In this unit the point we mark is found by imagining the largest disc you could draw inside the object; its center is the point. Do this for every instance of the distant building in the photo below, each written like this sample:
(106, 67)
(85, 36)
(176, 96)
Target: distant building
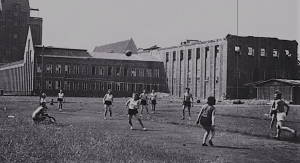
(118, 47)
(81, 73)
(14, 23)
(223, 66)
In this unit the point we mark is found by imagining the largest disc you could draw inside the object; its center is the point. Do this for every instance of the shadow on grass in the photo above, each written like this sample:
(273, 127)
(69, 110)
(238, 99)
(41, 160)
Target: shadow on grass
(229, 147)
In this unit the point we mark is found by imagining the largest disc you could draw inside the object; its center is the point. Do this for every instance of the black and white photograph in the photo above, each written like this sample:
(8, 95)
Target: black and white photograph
(132, 81)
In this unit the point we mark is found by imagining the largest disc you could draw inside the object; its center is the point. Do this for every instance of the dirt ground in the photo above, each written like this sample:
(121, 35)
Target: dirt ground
(242, 135)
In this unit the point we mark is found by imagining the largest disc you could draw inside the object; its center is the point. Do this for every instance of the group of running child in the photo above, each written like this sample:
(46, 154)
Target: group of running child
(206, 116)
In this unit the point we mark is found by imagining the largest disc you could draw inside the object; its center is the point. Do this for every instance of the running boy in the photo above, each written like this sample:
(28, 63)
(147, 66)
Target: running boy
(281, 115)
(273, 111)
(206, 118)
(144, 99)
(133, 106)
(107, 101)
(153, 100)
(60, 99)
(43, 98)
(39, 114)
(187, 102)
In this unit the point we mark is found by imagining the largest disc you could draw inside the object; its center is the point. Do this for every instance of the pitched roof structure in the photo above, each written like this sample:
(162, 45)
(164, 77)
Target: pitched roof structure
(122, 56)
(62, 52)
(118, 47)
(286, 81)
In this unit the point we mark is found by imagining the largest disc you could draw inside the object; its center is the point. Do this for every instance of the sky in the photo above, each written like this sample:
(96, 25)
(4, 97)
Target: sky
(85, 24)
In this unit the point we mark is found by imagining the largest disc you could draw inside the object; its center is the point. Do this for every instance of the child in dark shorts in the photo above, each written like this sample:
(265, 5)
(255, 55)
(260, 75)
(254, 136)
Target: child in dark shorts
(273, 111)
(144, 98)
(206, 118)
(133, 106)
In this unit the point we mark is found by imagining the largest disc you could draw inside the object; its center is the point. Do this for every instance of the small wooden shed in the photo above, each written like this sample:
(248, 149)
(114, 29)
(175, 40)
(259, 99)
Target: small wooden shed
(290, 89)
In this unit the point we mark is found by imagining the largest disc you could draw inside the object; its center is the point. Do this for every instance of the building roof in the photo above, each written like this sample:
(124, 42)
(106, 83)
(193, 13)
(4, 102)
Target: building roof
(62, 52)
(12, 64)
(118, 47)
(286, 81)
(122, 56)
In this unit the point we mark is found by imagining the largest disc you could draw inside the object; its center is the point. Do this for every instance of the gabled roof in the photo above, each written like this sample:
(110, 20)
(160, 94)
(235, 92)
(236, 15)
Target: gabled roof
(286, 81)
(118, 47)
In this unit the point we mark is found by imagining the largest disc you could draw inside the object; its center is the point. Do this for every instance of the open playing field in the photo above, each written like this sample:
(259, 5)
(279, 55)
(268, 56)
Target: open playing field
(82, 135)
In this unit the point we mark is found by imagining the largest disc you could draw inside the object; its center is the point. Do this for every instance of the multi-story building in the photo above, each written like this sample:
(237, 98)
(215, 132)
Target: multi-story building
(222, 67)
(81, 73)
(14, 23)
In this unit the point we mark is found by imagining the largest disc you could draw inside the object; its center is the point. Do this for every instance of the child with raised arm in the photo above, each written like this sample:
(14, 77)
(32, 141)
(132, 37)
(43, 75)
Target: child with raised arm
(281, 115)
(206, 118)
(133, 106)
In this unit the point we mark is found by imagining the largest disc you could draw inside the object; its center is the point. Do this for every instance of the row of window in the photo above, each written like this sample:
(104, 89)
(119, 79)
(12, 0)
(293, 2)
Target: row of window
(102, 70)
(181, 52)
(95, 86)
(263, 52)
(262, 74)
(237, 50)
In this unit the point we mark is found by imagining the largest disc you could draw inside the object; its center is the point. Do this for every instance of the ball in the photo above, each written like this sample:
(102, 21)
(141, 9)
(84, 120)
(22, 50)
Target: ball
(128, 53)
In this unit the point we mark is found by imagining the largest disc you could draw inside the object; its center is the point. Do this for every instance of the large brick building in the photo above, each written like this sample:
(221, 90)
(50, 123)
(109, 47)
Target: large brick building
(14, 23)
(81, 73)
(223, 66)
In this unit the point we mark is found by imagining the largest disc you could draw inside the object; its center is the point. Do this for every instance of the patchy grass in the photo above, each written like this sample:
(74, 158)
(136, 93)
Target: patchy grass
(81, 134)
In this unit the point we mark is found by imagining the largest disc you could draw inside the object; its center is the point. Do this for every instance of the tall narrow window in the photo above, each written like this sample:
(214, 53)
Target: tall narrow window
(126, 86)
(49, 68)
(84, 85)
(109, 86)
(76, 69)
(149, 72)
(250, 51)
(49, 84)
(237, 50)
(118, 86)
(101, 86)
(263, 52)
(85, 70)
(38, 84)
(275, 53)
(167, 56)
(58, 69)
(39, 68)
(101, 70)
(174, 55)
(93, 86)
(125, 71)
(67, 69)
(109, 71)
(141, 72)
(133, 72)
(67, 85)
(93, 70)
(57, 85)
(288, 54)
(189, 54)
(156, 73)
(181, 55)
(118, 71)
(76, 85)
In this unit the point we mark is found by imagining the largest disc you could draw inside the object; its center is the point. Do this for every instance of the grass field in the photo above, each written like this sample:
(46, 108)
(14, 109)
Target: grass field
(82, 135)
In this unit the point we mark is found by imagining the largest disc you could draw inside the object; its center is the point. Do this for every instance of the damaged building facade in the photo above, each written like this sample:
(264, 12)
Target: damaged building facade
(222, 67)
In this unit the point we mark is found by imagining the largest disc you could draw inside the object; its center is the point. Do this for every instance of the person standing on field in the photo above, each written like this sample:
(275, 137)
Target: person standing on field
(153, 100)
(60, 99)
(133, 106)
(107, 101)
(187, 102)
(281, 115)
(144, 99)
(43, 98)
(206, 118)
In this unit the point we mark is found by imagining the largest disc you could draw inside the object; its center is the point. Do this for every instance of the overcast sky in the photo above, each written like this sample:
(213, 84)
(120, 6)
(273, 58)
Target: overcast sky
(89, 23)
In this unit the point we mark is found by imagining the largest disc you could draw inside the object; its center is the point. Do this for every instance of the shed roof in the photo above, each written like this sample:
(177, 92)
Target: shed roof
(286, 81)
